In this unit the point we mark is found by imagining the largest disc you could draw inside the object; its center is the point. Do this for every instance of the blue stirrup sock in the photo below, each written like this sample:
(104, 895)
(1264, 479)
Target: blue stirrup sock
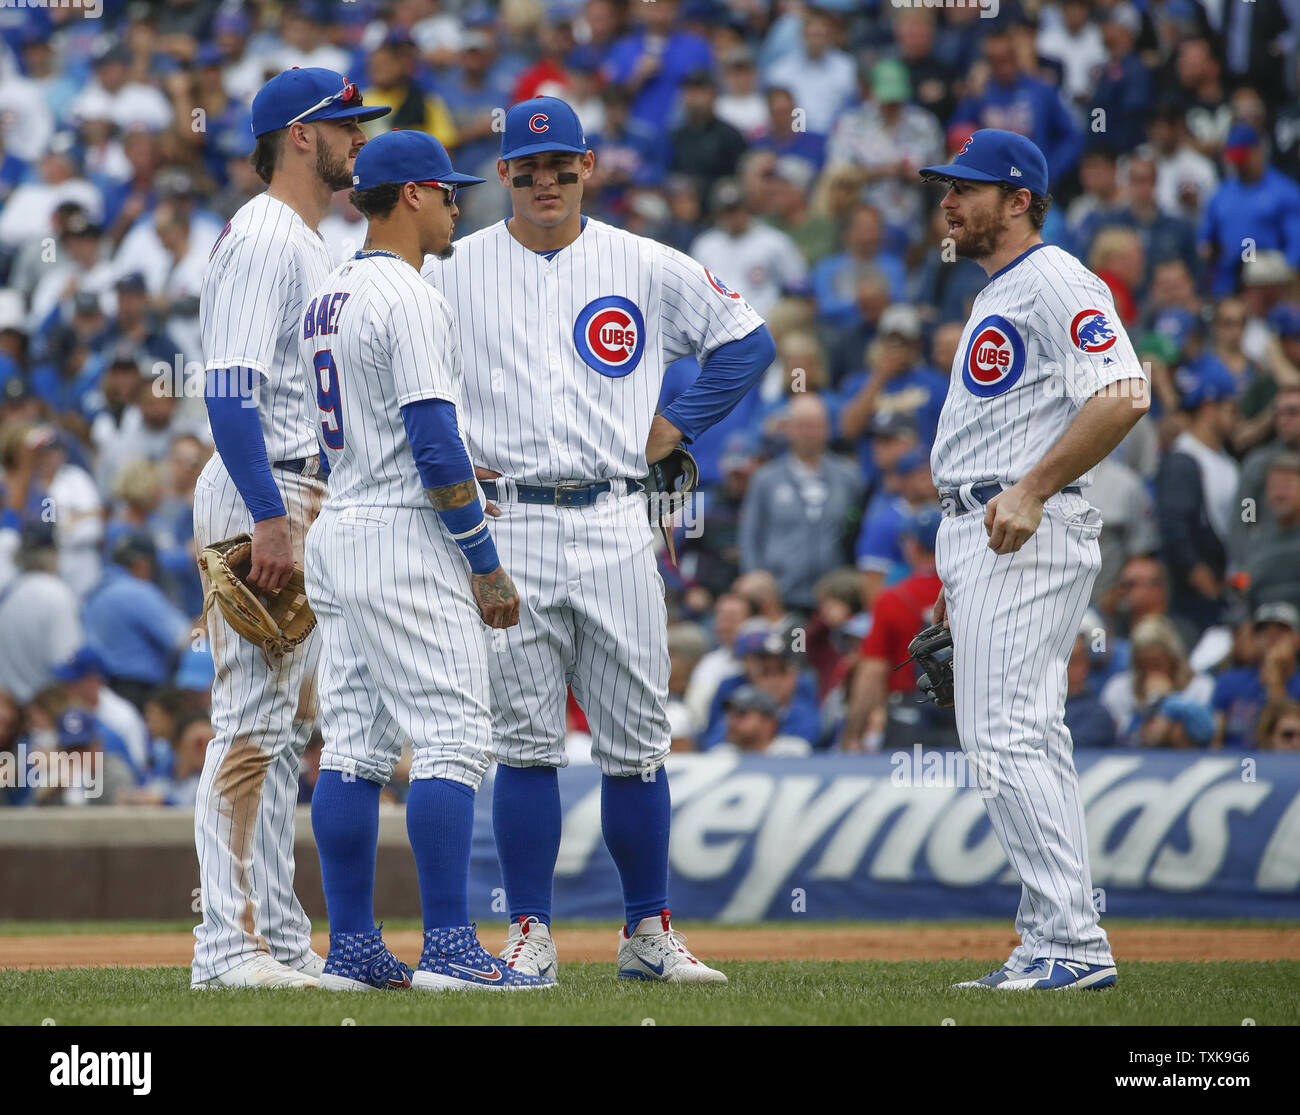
(345, 820)
(526, 819)
(440, 824)
(635, 816)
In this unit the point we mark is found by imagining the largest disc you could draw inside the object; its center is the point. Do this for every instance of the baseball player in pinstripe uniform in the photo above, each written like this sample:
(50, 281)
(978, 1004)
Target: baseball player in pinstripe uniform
(404, 650)
(566, 325)
(264, 479)
(1044, 384)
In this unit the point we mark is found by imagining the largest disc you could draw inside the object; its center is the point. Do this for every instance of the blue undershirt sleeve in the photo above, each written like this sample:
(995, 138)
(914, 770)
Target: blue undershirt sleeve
(725, 377)
(237, 434)
(441, 458)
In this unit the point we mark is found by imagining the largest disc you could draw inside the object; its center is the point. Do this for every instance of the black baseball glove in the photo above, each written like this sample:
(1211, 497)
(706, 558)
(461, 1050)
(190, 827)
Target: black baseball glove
(670, 482)
(932, 648)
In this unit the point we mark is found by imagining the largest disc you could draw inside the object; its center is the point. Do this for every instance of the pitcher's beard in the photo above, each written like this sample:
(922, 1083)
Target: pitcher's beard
(333, 172)
(981, 237)
(446, 253)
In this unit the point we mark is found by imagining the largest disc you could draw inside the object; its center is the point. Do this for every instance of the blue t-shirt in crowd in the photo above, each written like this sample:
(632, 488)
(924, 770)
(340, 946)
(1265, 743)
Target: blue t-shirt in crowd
(1240, 696)
(134, 628)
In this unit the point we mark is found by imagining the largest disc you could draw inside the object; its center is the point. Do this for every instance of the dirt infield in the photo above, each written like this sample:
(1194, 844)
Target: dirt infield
(937, 942)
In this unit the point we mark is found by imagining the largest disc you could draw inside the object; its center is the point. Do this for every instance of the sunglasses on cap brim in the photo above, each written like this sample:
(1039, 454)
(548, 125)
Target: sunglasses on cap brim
(447, 186)
(349, 95)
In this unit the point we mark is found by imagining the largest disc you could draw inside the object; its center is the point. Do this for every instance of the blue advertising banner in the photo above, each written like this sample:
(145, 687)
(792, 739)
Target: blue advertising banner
(905, 835)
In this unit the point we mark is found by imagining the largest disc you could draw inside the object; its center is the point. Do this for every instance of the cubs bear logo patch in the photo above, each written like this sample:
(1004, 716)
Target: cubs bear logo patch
(1091, 331)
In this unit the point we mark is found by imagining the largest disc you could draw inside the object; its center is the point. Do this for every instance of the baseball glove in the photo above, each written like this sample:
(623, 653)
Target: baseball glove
(278, 621)
(932, 648)
(670, 483)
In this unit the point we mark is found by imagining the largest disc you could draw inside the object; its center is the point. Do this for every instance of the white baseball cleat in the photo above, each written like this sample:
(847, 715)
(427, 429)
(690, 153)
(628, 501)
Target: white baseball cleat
(530, 949)
(656, 951)
(258, 971)
(313, 964)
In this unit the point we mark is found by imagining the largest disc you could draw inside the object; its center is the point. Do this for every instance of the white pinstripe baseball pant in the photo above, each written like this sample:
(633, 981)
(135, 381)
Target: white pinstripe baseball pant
(262, 720)
(1014, 619)
(403, 648)
(592, 615)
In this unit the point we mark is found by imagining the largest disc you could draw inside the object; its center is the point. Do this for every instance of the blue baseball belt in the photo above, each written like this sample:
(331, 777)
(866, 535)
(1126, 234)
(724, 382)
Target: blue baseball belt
(304, 466)
(566, 495)
(971, 497)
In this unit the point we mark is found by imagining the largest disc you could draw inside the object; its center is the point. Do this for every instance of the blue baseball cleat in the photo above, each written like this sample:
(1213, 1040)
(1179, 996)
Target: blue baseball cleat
(993, 979)
(453, 960)
(1054, 974)
(362, 962)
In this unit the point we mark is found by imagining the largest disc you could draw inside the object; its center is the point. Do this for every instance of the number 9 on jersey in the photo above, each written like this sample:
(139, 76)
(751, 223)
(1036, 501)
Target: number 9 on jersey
(327, 398)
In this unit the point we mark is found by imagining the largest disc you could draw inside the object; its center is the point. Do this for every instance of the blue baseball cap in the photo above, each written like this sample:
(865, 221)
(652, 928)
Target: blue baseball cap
(81, 665)
(308, 94)
(1285, 320)
(912, 460)
(75, 729)
(541, 124)
(402, 156)
(1206, 380)
(992, 155)
(924, 527)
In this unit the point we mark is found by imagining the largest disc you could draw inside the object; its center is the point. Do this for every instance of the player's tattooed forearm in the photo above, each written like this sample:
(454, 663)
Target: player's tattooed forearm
(453, 495)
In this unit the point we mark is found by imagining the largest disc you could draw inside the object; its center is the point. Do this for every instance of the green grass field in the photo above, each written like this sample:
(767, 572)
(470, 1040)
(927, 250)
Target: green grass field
(789, 993)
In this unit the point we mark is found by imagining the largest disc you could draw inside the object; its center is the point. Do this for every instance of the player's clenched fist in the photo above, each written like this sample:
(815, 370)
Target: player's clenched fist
(498, 601)
(1010, 518)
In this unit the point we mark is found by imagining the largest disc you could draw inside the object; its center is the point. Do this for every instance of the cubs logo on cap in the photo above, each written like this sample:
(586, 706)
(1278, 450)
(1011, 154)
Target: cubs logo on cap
(994, 155)
(995, 357)
(1091, 331)
(718, 285)
(541, 124)
(610, 335)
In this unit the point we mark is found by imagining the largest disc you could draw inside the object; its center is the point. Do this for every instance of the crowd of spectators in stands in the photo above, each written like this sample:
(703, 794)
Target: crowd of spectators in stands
(776, 142)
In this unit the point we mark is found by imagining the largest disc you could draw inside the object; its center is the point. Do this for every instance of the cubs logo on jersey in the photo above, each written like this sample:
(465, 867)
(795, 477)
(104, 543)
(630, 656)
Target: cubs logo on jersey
(995, 357)
(718, 285)
(610, 335)
(1091, 332)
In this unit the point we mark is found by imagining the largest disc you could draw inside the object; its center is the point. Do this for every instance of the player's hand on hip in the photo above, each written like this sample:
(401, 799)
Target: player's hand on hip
(1010, 518)
(498, 600)
(664, 438)
(272, 554)
(487, 474)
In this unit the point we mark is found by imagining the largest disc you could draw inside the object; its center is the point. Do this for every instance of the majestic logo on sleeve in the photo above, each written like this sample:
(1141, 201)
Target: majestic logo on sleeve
(718, 285)
(1091, 332)
(538, 123)
(610, 335)
(995, 357)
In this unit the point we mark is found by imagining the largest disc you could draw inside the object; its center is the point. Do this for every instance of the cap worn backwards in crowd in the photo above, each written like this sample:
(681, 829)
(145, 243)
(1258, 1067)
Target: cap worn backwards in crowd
(924, 527)
(406, 156)
(541, 124)
(1206, 380)
(308, 94)
(993, 155)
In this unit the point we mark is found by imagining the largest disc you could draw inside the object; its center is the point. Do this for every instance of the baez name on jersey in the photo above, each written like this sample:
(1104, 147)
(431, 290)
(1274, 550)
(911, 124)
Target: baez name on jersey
(321, 318)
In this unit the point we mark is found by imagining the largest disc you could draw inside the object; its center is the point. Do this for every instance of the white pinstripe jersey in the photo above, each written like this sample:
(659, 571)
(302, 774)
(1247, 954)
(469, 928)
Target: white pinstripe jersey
(564, 358)
(1042, 338)
(374, 337)
(262, 267)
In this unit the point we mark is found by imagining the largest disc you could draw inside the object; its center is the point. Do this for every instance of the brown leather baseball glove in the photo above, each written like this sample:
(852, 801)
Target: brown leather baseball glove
(278, 621)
